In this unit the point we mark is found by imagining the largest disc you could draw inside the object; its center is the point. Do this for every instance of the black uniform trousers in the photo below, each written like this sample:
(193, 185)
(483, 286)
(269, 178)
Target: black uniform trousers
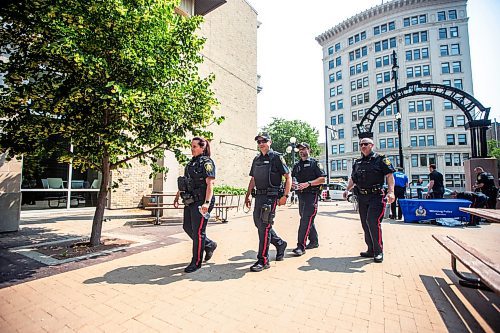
(194, 225)
(399, 193)
(267, 235)
(371, 209)
(308, 208)
(492, 197)
(436, 195)
(476, 203)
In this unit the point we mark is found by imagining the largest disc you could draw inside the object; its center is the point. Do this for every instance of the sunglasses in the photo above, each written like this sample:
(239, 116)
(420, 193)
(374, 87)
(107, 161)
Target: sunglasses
(261, 141)
(364, 144)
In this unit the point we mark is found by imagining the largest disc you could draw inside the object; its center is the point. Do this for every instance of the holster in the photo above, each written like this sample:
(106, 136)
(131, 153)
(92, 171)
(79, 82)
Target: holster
(267, 214)
(185, 184)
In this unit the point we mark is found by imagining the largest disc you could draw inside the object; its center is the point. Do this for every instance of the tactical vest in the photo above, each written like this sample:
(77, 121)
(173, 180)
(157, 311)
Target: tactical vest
(367, 173)
(264, 175)
(194, 171)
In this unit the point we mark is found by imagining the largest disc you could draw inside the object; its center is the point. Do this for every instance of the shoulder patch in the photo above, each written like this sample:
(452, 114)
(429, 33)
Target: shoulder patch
(282, 159)
(320, 166)
(386, 161)
(209, 167)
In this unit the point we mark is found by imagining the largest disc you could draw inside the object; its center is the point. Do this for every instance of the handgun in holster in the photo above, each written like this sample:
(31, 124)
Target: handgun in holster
(185, 186)
(267, 214)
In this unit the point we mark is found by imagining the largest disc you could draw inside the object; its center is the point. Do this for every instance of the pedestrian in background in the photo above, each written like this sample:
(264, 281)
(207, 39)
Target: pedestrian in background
(400, 185)
(485, 183)
(436, 183)
(266, 174)
(420, 190)
(367, 182)
(310, 176)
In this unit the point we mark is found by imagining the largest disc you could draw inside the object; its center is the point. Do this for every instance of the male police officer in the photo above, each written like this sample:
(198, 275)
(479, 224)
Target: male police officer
(485, 182)
(310, 176)
(265, 183)
(367, 178)
(478, 200)
(400, 185)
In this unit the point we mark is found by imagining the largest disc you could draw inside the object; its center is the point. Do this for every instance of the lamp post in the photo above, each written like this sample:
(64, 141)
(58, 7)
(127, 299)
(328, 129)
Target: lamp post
(292, 148)
(395, 68)
(334, 130)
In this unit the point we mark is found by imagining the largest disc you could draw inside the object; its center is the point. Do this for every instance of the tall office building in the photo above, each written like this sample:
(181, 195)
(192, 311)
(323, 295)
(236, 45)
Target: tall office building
(431, 41)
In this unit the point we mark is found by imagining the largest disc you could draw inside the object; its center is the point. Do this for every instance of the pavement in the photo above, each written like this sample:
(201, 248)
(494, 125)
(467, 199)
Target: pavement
(329, 289)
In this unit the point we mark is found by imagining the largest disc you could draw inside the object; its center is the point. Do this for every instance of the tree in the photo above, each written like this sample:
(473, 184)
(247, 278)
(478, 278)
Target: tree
(118, 79)
(493, 148)
(282, 130)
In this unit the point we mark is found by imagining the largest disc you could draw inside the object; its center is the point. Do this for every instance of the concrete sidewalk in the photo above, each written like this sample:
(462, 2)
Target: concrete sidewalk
(329, 289)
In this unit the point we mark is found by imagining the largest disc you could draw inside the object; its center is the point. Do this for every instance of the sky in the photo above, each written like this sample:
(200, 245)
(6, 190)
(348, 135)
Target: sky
(289, 58)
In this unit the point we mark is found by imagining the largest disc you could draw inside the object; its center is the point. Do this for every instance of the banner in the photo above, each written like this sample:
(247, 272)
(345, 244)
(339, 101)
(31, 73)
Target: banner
(415, 210)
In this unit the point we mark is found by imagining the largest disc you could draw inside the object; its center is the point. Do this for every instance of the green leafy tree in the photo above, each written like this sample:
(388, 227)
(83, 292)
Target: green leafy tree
(282, 130)
(494, 148)
(117, 79)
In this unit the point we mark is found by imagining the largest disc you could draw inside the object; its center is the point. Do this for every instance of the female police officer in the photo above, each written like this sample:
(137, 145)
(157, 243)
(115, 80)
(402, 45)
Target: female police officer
(196, 190)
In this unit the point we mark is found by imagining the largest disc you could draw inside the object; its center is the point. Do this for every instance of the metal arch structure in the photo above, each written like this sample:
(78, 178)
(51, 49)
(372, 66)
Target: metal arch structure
(476, 114)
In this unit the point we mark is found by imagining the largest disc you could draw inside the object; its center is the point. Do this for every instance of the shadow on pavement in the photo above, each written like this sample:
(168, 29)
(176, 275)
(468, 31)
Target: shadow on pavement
(341, 264)
(162, 275)
(454, 313)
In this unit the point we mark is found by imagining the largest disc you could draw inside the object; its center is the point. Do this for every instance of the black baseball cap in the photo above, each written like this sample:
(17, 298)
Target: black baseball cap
(303, 145)
(263, 135)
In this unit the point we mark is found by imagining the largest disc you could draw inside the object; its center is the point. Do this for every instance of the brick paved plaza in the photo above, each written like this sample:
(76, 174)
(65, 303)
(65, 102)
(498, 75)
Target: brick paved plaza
(329, 289)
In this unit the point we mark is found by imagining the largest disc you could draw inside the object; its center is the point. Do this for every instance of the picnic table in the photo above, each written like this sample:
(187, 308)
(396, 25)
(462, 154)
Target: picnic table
(492, 215)
(157, 205)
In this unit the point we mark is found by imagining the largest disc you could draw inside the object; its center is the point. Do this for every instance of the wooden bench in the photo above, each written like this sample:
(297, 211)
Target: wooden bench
(491, 215)
(487, 272)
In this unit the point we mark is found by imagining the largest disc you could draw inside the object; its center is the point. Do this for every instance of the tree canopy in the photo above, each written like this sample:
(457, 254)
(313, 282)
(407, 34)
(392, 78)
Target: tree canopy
(117, 79)
(493, 148)
(282, 130)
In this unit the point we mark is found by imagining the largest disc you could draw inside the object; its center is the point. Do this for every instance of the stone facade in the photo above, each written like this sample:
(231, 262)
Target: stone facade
(230, 53)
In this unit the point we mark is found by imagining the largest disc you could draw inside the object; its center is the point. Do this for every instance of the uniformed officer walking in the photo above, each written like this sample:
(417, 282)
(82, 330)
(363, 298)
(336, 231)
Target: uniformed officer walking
(310, 176)
(485, 182)
(196, 190)
(400, 185)
(266, 186)
(367, 181)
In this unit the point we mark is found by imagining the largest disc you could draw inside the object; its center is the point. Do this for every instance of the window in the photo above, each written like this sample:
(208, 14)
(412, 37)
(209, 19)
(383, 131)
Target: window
(448, 121)
(338, 61)
(331, 64)
(447, 159)
(429, 122)
(457, 83)
(443, 50)
(420, 106)
(378, 62)
(445, 67)
(443, 33)
(441, 16)
(390, 143)
(376, 31)
(333, 106)
(354, 131)
(452, 14)
(457, 66)
(418, 71)
(355, 146)
(337, 47)
(406, 22)
(423, 160)
(430, 140)
(425, 53)
(339, 75)
(339, 90)
(411, 106)
(333, 120)
(341, 121)
(421, 123)
(414, 160)
(455, 49)
(332, 92)
(426, 71)
(382, 143)
(428, 105)
(409, 72)
(340, 104)
(422, 19)
(450, 139)
(416, 54)
(334, 150)
(454, 32)
(341, 148)
(460, 120)
(413, 124)
(364, 64)
(354, 116)
(462, 139)
(447, 83)
(448, 105)
(331, 78)
(381, 127)
(330, 50)
(413, 141)
(421, 141)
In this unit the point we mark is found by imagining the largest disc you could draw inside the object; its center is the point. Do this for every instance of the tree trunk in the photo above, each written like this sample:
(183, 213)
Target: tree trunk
(95, 236)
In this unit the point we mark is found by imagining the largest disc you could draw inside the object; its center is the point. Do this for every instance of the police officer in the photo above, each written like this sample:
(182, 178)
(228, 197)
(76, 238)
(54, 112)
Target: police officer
(478, 200)
(196, 190)
(367, 179)
(485, 182)
(265, 184)
(400, 185)
(436, 183)
(310, 176)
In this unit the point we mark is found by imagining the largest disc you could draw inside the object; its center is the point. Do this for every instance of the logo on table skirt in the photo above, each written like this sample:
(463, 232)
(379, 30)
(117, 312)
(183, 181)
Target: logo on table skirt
(420, 211)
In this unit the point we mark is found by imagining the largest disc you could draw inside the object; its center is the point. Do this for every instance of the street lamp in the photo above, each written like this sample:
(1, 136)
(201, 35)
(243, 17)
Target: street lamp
(334, 130)
(292, 148)
(397, 114)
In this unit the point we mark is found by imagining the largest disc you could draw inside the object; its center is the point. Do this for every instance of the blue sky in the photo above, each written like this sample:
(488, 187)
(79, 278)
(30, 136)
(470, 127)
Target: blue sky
(289, 59)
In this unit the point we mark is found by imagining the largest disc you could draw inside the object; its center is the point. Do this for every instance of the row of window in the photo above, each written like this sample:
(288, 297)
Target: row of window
(456, 66)
(358, 68)
(414, 20)
(383, 77)
(335, 63)
(334, 91)
(357, 38)
(358, 53)
(337, 105)
(422, 160)
(388, 143)
(418, 71)
(454, 180)
(417, 54)
(416, 37)
(383, 28)
(382, 92)
(335, 76)
(360, 99)
(337, 165)
(455, 159)
(446, 50)
(452, 121)
(421, 123)
(340, 149)
(422, 141)
(452, 15)
(358, 115)
(457, 83)
(359, 83)
(387, 126)
(420, 105)
(443, 32)
(333, 49)
(383, 61)
(385, 44)
(461, 139)
(337, 120)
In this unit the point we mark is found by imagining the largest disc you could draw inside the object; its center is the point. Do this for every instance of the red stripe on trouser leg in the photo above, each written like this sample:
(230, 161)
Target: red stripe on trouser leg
(264, 248)
(310, 220)
(198, 258)
(379, 220)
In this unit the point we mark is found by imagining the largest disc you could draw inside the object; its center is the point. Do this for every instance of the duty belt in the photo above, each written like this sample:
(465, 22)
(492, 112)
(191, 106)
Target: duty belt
(372, 190)
(269, 192)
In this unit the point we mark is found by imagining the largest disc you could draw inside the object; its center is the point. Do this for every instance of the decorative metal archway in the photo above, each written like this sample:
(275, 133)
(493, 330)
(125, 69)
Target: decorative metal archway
(476, 114)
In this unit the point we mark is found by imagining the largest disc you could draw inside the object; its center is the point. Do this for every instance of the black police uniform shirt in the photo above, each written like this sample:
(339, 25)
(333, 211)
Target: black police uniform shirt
(487, 179)
(437, 177)
(199, 168)
(308, 170)
(260, 170)
(370, 171)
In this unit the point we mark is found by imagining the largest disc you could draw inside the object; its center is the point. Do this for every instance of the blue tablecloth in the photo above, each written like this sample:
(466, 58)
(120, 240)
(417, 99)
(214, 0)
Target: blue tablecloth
(415, 210)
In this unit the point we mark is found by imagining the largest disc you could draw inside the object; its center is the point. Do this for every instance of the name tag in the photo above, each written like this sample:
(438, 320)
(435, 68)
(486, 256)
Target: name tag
(266, 162)
(306, 165)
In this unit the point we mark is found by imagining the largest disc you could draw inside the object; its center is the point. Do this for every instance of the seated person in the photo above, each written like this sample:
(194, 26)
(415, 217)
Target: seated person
(478, 200)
